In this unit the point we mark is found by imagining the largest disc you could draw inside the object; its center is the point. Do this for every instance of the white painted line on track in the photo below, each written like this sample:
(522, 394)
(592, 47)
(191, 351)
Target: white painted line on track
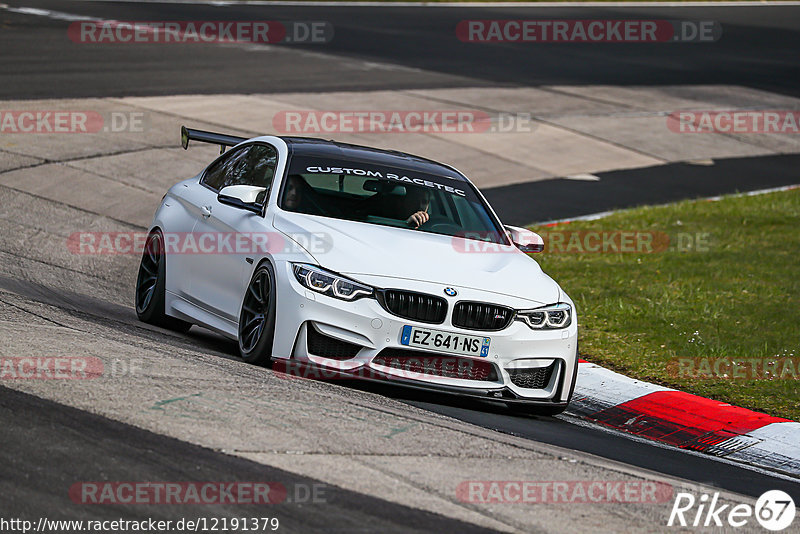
(583, 177)
(356, 64)
(55, 15)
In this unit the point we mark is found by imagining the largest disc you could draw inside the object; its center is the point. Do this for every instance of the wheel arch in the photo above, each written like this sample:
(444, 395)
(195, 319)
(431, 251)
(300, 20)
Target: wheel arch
(268, 258)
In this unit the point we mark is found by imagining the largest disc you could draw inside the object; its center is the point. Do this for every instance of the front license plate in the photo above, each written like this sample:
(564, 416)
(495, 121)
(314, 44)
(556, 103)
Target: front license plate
(439, 341)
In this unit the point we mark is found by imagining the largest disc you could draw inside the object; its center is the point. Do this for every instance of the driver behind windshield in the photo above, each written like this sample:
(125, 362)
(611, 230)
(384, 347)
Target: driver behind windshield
(298, 196)
(400, 202)
(417, 201)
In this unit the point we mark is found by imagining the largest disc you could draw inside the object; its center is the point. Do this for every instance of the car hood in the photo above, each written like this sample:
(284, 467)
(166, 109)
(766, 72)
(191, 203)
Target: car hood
(355, 248)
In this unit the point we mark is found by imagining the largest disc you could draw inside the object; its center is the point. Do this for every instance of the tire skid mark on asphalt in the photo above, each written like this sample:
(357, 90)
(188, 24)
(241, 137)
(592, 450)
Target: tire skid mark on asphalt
(111, 178)
(34, 161)
(48, 161)
(78, 208)
(53, 265)
(61, 325)
(87, 322)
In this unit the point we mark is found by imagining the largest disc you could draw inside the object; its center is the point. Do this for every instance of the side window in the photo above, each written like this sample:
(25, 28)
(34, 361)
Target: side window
(217, 175)
(249, 165)
(261, 163)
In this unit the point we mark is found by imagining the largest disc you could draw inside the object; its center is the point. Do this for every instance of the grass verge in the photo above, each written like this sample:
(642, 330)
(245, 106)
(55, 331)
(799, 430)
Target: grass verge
(715, 313)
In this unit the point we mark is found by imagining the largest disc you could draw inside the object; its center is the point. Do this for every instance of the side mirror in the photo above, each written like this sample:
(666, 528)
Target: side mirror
(525, 240)
(242, 196)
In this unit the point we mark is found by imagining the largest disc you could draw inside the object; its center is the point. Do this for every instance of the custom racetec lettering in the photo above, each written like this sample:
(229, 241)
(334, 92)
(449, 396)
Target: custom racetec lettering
(424, 182)
(344, 170)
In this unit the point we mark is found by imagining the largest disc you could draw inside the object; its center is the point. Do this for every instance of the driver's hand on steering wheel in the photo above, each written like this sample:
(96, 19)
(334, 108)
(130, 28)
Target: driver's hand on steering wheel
(418, 219)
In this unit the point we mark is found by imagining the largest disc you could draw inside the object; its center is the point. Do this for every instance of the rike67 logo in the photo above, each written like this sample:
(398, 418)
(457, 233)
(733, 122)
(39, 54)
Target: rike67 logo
(774, 510)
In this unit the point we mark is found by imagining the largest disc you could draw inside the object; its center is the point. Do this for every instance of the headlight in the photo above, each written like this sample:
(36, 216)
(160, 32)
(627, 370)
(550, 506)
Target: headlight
(547, 317)
(328, 283)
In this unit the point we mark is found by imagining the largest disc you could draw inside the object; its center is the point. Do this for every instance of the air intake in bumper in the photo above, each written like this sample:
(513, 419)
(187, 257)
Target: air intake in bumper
(449, 366)
(327, 347)
(532, 378)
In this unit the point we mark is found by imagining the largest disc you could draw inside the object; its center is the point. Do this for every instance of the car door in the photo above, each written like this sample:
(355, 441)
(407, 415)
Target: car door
(220, 276)
(185, 207)
(179, 215)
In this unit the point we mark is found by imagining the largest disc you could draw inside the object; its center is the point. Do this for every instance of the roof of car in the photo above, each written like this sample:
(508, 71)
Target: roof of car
(312, 146)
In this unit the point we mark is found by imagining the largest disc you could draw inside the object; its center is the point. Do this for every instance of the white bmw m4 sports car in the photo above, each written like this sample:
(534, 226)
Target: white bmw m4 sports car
(368, 263)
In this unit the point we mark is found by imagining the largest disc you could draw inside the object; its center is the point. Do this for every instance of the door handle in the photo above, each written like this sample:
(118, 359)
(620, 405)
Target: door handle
(206, 211)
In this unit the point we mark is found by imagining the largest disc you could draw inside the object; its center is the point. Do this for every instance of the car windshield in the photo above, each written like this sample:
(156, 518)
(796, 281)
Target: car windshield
(375, 194)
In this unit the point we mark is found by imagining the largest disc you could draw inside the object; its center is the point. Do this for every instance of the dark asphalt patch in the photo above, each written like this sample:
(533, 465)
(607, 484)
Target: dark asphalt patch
(46, 447)
(523, 204)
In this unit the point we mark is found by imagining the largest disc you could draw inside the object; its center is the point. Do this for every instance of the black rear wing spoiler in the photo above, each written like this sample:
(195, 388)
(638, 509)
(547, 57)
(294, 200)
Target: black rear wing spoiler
(188, 134)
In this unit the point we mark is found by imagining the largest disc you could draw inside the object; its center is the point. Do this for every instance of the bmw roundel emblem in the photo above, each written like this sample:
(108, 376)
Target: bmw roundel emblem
(450, 292)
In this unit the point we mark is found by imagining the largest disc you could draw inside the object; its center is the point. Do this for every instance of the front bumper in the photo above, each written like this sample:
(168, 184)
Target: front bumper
(373, 330)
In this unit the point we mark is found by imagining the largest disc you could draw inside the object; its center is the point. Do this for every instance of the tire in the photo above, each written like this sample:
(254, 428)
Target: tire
(257, 317)
(150, 285)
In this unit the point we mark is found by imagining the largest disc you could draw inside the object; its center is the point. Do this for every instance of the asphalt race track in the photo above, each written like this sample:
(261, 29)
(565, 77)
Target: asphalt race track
(758, 50)
(556, 199)
(384, 455)
(121, 450)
